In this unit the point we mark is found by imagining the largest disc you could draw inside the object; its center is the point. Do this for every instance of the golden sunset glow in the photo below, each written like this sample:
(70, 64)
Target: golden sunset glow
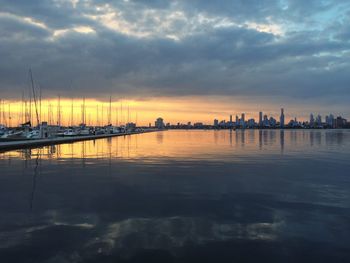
(173, 110)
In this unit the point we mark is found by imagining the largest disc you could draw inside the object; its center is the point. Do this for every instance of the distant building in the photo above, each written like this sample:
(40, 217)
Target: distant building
(312, 120)
(318, 120)
(340, 122)
(216, 122)
(260, 118)
(293, 123)
(159, 123)
(266, 121)
(330, 121)
(251, 123)
(272, 122)
(282, 118)
(241, 121)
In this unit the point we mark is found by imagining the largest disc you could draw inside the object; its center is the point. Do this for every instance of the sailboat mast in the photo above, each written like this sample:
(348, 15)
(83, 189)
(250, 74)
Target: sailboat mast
(25, 111)
(102, 115)
(9, 114)
(128, 113)
(21, 119)
(116, 115)
(71, 113)
(48, 113)
(110, 111)
(30, 107)
(97, 116)
(121, 112)
(5, 118)
(40, 98)
(84, 115)
(34, 97)
(59, 111)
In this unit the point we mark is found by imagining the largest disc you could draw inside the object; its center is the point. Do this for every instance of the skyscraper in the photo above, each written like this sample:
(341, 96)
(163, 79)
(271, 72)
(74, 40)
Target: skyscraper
(242, 123)
(319, 120)
(266, 121)
(331, 121)
(339, 122)
(312, 120)
(260, 118)
(282, 118)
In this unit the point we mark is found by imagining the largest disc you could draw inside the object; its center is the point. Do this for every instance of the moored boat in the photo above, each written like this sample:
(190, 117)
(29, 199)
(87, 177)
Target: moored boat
(70, 132)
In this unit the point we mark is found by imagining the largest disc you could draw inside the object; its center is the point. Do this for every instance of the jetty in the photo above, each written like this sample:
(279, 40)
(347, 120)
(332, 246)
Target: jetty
(35, 143)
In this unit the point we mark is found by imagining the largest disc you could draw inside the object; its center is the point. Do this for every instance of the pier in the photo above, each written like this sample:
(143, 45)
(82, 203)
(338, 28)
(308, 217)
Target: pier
(34, 143)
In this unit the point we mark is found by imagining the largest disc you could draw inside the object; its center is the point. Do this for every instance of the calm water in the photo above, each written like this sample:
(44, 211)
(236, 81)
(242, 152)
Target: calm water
(180, 196)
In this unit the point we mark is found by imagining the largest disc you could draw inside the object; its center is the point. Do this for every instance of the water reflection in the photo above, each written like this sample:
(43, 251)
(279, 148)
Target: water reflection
(160, 137)
(244, 142)
(35, 175)
(282, 140)
(175, 196)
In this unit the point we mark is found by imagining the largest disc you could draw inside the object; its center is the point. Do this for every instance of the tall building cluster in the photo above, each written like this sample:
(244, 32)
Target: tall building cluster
(266, 121)
(329, 122)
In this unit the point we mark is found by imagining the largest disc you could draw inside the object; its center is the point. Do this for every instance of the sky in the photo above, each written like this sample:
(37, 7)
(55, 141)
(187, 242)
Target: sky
(182, 60)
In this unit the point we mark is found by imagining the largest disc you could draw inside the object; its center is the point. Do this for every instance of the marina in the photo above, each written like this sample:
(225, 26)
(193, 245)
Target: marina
(23, 144)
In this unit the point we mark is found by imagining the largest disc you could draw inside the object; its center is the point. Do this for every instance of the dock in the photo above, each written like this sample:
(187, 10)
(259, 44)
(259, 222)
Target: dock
(35, 143)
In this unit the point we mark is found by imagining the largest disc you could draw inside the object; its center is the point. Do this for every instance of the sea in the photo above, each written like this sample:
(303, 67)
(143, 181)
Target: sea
(180, 196)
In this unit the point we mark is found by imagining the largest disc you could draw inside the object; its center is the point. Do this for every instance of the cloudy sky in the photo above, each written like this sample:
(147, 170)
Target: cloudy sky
(274, 52)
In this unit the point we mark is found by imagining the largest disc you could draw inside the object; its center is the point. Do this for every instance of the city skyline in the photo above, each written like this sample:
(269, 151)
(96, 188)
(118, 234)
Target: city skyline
(68, 112)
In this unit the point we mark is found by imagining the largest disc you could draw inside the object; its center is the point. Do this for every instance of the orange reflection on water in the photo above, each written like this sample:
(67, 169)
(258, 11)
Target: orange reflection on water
(181, 144)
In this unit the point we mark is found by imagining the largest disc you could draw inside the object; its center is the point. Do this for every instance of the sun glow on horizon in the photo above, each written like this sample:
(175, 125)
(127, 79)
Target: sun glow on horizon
(69, 112)
(72, 112)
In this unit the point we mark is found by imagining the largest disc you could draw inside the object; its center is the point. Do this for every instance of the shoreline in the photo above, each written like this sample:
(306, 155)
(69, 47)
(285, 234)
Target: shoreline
(37, 143)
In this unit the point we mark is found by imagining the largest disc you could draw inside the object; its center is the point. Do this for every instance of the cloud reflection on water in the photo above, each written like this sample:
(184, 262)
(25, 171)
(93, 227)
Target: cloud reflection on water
(177, 191)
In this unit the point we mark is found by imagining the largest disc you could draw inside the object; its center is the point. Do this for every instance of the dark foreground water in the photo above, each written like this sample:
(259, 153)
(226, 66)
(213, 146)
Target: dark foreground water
(180, 196)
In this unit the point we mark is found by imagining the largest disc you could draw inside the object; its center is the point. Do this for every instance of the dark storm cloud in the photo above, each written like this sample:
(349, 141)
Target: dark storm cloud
(297, 49)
